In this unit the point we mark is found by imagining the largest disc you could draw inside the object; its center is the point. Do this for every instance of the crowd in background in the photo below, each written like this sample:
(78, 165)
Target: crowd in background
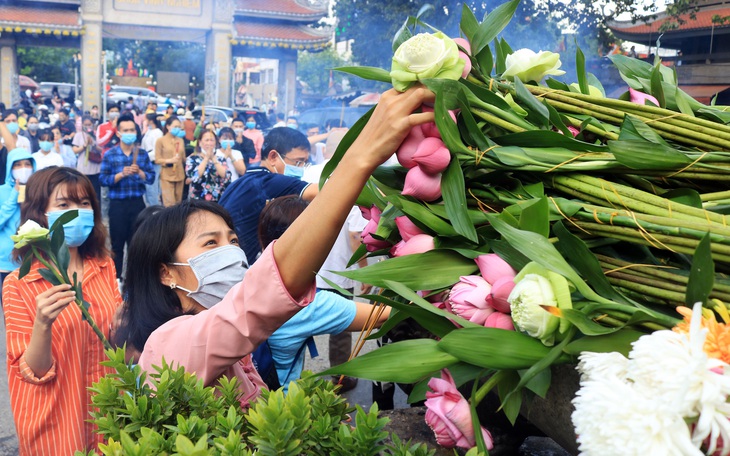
(193, 212)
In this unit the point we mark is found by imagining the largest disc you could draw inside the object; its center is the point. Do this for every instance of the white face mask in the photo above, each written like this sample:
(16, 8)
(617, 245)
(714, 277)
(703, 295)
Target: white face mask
(22, 175)
(217, 271)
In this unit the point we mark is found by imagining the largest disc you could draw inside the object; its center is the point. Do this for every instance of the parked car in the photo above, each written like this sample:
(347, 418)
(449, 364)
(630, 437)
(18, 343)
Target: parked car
(119, 94)
(220, 114)
(334, 117)
(44, 94)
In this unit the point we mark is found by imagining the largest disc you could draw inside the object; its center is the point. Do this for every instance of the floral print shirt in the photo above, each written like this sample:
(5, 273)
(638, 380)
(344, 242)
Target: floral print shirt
(210, 185)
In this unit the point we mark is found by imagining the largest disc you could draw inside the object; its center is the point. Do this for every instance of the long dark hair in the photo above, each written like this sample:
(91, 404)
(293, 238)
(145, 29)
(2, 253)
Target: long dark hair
(276, 217)
(150, 304)
(40, 187)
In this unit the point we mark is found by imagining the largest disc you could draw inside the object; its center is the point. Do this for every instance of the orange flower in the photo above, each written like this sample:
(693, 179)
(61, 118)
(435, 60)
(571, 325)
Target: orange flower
(717, 343)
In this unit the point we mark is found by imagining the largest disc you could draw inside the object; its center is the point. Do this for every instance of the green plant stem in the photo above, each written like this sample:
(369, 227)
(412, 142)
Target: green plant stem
(701, 225)
(78, 300)
(497, 121)
(672, 296)
(487, 387)
(627, 221)
(577, 123)
(715, 196)
(505, 115)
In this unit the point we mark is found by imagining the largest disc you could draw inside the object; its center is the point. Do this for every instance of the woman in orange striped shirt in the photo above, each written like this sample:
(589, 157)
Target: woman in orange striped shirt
(53, 355)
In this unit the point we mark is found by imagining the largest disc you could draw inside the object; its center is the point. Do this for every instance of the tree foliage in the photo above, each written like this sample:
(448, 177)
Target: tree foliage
(313, 68)
(157, 56)
(46, 63)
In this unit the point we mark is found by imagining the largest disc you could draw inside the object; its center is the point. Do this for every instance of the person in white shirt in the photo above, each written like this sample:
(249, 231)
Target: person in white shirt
(10, 118)
(153, 133)
(46, 156)
(234, 158)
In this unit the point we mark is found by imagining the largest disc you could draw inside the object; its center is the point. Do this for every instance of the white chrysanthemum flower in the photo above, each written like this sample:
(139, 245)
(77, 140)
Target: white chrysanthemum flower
(612, 418)
(595, 366)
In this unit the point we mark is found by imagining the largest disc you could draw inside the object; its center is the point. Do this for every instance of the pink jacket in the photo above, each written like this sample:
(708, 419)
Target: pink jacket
(218, 341)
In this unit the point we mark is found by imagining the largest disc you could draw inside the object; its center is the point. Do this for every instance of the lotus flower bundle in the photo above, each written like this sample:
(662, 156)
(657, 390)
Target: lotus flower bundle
(537, 220)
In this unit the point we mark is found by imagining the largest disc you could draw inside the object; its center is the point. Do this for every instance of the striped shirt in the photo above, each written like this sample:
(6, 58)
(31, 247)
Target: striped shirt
(51, 412)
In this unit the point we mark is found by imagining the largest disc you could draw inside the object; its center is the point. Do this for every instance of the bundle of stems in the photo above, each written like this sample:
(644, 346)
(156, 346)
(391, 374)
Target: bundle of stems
(671, 125)
(659, 282)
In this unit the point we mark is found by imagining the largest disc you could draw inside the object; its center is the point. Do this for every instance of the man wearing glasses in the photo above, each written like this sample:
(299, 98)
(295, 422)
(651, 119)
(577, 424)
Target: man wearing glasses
(284, 156)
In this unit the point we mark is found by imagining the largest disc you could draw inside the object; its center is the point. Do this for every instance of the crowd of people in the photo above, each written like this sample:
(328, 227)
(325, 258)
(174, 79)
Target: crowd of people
(216, 233)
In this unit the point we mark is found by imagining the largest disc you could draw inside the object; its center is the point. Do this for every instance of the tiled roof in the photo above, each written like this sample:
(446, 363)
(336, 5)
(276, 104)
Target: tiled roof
(252, 32)
(35, 16)
(293, 9)
(703, 20)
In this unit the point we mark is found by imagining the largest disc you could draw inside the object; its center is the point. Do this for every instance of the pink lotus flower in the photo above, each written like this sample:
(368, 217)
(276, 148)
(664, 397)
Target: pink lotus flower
(366, 212)
(409, 146)
(449, 416)
(464, 44)
(574, 131)
(468, 299)
(432, 156)
(406, 228)
(372, 244)
(419, 243)
(641, 98)
(422, 186)
(467, 64)
(499, 320)
(492, 267)
(501, 288)
(429, 129)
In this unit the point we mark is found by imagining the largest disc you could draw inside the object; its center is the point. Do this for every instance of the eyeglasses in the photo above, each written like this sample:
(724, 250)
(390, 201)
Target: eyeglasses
(297, 163)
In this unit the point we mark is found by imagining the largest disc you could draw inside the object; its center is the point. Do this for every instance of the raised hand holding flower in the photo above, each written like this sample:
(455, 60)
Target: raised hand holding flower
(54, 255)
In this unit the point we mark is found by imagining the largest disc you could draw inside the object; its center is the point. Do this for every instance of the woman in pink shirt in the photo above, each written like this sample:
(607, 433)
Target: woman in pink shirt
(181, 304)
(256, 136)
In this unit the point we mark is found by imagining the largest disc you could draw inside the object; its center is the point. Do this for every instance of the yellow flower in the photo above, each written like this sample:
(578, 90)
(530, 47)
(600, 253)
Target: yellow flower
(29, 233)
(717, 343)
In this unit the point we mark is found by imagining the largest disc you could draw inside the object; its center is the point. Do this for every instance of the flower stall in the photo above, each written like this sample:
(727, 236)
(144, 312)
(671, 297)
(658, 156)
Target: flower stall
(537, 223)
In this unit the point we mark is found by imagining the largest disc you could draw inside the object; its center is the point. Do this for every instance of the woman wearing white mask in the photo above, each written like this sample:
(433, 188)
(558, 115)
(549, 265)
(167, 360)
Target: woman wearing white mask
(183, 259)
(48, 154)
(20, 165)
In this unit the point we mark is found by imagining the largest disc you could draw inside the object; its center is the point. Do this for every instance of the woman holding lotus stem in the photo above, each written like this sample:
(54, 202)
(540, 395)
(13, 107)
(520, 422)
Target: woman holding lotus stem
(53, 356)
(206, 256)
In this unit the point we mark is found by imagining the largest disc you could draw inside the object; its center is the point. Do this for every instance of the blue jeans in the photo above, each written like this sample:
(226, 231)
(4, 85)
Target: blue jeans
(152, 194)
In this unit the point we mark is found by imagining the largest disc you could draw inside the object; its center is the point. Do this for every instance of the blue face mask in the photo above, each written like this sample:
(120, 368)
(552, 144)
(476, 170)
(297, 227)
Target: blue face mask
(129, 138)
(227, 143)
(162, 123)
(77, 230)
(45, 145)
(217, 131)
(174, 131)
(12, 127)
(294, 126)
(251, 125)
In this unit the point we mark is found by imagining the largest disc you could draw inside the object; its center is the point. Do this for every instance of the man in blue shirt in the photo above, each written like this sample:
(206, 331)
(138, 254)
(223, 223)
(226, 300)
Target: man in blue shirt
(284, 155)
(126, 170)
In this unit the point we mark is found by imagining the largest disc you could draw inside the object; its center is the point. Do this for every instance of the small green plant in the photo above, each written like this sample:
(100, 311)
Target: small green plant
(171, 412)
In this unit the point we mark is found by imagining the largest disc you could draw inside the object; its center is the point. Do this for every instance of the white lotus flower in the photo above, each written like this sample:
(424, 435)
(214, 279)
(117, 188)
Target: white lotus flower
(526, 65)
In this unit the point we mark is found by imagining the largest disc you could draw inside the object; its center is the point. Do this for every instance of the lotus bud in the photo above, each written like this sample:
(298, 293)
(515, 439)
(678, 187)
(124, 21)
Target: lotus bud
(409, 146)
(501, 289)
(574, 131)
(372, 244)
(527, 300)
(406, 228)
(432, 156)
(467, 64)
(492, 267)
(419, 243)
(500, 321)
(365, 211)
(641, 98)
(430, 129)
(468, 299)
(422, 186)
(464, 44)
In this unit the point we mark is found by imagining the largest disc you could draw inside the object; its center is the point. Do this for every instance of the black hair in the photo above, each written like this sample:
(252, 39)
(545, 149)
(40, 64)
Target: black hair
(64, 111)
(146, 213)
(9, 112)
(149, 303)
(277, 216)
(283, 140)
(238, 119)
(280, 116)
(152, 119)
(46, 132)
(112, 106)
(227, 130)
